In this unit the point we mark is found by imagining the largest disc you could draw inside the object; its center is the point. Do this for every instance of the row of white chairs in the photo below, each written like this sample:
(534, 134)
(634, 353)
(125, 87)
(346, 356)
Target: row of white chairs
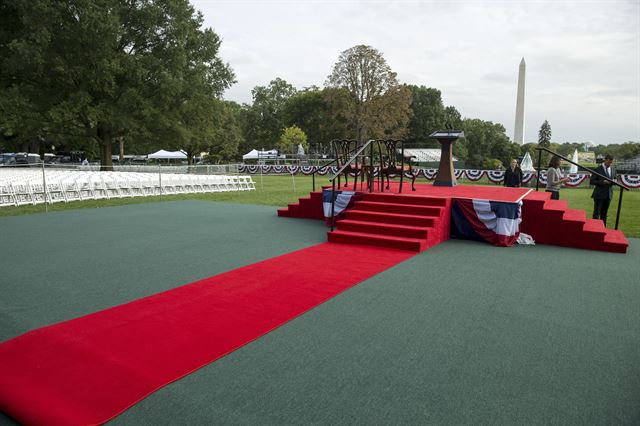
(27, 186)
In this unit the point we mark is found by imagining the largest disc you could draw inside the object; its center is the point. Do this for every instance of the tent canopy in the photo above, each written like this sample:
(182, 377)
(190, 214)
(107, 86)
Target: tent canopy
(526, 165)
(168, 155)
(254, 154)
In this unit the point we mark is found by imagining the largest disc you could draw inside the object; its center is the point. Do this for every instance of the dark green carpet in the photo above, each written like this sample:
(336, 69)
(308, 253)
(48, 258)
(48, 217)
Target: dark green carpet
(463, 333)
(62, 265)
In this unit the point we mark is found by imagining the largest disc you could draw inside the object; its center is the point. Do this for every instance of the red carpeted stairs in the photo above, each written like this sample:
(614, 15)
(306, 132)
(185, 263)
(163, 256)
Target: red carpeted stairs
(307, 207)
(400, 221)
(552, 222)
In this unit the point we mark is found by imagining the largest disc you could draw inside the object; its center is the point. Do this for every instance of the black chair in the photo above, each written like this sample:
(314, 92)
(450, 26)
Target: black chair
(344, 149)
(394, 163)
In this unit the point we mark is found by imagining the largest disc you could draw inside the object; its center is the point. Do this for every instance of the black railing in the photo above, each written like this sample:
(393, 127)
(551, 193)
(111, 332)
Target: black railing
(348, 163)
(593, 172)
(313, 174)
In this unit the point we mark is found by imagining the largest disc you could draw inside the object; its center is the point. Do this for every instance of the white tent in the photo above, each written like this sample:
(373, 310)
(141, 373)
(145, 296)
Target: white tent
(254, 154)
(526, 165)
(574, 168)
(168, 155)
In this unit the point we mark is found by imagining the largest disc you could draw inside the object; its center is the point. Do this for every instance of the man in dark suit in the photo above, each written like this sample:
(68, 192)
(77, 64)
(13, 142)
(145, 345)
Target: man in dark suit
(602, 189)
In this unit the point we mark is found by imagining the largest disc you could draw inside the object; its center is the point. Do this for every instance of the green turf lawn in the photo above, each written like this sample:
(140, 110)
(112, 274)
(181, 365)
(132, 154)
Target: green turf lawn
(279, 191)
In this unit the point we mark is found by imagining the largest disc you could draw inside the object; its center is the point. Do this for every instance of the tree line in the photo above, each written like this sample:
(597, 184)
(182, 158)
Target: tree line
(89, 74)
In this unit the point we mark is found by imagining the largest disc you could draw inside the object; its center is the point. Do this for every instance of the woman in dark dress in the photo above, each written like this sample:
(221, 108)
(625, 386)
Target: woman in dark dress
(513, 175)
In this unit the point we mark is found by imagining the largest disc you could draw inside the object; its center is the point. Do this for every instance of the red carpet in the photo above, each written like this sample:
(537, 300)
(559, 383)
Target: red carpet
(478, 192)
(90, 369)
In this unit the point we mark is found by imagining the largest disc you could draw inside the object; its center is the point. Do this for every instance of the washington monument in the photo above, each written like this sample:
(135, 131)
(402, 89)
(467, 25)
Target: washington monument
(518, 135)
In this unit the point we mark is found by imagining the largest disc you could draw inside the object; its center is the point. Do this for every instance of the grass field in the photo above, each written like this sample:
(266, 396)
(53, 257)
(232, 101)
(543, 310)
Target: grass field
(279, 191)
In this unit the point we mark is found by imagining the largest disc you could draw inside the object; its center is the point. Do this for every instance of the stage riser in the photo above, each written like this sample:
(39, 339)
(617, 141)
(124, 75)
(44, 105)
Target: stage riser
(378, 228)
(376, 240)
(547, 221)
(552, 222)
(381, 217)
(398, 208)
(409, 200)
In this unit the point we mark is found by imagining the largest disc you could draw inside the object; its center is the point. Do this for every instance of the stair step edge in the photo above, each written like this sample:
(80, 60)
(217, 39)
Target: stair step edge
(379, 236)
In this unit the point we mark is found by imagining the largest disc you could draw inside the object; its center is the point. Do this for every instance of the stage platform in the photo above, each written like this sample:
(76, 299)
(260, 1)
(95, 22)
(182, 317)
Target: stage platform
(477, 192)
(417, 220)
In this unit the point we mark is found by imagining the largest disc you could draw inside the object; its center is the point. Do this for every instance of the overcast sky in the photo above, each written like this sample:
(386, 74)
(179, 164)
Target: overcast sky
(583, 57)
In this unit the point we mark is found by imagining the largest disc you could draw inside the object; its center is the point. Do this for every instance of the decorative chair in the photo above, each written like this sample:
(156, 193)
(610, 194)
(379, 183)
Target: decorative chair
(394, 163)
(345, 149)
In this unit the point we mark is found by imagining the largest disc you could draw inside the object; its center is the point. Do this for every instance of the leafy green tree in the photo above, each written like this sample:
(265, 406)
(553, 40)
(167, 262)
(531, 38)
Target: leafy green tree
(622, 151)
(264, 119)
(544, 134)
(485, 141)
(453, 119)
(309, 110)
(369, 97)
(101, 70)
(428, 115)
(228, 136)
(291, 138)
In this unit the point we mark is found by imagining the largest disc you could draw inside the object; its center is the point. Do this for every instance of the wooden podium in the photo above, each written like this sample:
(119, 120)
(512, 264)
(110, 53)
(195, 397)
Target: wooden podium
(446, 173)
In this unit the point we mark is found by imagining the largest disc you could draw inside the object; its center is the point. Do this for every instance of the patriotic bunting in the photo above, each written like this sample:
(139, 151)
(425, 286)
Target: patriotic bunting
(576, 179)
(630, 181)
(494, 176)
(474, 175)
(430, 174)
(527, 176)
(343, 199)
(495, 222)
(307, 170)
(543, 178)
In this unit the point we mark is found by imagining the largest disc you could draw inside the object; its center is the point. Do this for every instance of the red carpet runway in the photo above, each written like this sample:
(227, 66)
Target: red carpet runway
(90, 369)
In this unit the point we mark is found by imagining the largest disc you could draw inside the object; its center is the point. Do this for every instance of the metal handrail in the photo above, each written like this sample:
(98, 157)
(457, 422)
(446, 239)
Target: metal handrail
(342, 169)
(339, 172)
(593, 172)
(313, 175)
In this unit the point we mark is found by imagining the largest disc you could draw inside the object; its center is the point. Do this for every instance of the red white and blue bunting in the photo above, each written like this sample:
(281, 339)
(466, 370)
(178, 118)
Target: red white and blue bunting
(494, 176)
(630, 181)
(527, 176)
(576, 179)
(429, 174)
(474, 175)
(543, 178)
(496, 222)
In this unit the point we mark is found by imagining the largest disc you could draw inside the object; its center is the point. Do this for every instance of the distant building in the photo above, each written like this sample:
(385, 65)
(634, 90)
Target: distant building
(586, 157)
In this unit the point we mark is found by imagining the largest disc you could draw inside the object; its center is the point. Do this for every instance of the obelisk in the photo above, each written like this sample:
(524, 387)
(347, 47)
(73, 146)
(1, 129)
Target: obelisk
(518, 134)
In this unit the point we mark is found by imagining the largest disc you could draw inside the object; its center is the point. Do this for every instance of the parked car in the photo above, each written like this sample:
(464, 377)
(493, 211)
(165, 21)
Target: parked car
(7, 159)
(27, 159)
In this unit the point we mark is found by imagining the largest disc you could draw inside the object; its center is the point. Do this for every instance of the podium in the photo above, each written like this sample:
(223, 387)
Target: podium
(446, 175)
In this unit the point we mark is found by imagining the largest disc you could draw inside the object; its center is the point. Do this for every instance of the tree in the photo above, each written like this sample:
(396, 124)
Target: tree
(291, 138)
(485, 142)
(107, 69)
(264, 119)
(309, 110)
(544, 135)
(428, 115)
(369, 97)
(227, 137)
